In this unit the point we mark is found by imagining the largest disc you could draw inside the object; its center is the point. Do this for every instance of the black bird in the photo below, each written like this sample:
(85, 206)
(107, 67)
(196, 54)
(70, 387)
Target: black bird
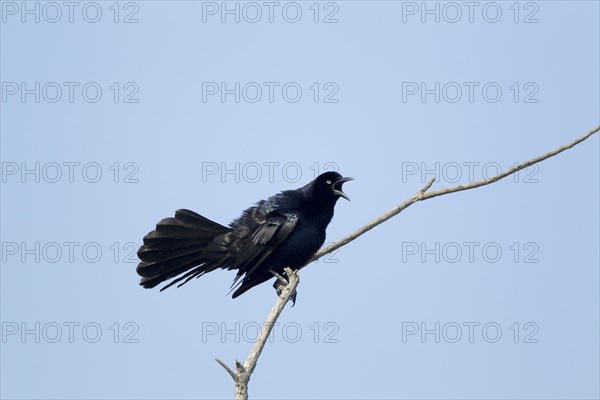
(285, 230)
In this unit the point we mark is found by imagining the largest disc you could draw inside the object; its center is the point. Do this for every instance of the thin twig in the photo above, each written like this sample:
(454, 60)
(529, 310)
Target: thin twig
(424, 195)
(226, 368)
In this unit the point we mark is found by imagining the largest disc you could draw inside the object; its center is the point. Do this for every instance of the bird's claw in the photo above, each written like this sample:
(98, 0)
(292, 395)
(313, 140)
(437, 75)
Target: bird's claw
(280, 284)
(280, 279)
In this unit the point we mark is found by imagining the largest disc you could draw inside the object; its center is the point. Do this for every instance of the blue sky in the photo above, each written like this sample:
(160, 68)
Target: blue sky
(114, 115)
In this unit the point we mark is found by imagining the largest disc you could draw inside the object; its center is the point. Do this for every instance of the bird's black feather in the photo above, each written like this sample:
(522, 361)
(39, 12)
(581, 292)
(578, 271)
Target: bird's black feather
(283, 231)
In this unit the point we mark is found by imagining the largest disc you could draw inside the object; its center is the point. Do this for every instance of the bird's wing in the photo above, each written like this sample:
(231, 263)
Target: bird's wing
(275, 228)
(271, 227)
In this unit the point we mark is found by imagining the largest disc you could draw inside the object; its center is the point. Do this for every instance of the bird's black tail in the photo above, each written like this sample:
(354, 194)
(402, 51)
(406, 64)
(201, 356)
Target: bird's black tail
(178, 245)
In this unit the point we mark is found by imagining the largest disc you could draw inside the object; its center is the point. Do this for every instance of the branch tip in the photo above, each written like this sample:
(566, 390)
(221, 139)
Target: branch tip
(427, 186)
(227, 369)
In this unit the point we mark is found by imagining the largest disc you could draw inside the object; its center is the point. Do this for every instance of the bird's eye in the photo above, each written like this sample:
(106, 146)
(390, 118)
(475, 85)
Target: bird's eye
(329, 182)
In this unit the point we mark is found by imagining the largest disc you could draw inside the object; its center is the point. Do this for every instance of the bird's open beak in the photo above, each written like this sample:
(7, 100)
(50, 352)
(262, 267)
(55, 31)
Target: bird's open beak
(339, 191)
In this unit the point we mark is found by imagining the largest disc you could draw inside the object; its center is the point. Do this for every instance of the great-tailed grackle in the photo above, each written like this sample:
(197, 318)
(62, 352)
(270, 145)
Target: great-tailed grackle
(283, 231)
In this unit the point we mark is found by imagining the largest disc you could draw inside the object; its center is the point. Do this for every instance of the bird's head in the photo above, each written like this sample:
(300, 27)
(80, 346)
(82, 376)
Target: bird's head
(329, 186)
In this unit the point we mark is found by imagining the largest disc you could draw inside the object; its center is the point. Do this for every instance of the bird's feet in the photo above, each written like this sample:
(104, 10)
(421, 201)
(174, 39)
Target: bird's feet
(280, 279)
(281, 283)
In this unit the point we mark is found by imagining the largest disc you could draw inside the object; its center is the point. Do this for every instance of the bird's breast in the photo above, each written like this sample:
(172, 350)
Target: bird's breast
(300, 246)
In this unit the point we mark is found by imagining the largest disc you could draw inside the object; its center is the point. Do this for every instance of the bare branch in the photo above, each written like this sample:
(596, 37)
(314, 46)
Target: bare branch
(244, 371)
(226, 368)
(288, 291)
(512, 170)
(424, 195)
